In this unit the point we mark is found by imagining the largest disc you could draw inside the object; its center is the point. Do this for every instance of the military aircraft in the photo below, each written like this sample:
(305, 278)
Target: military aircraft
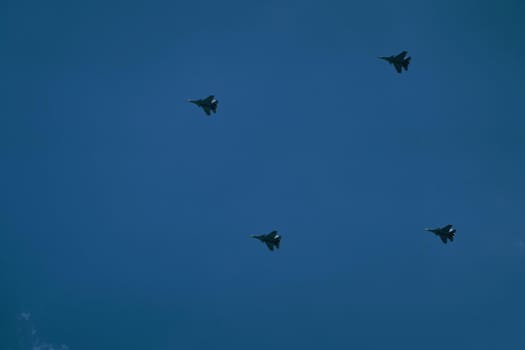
(398, 61)
(443, 232)
(209, 104)
(272, 239)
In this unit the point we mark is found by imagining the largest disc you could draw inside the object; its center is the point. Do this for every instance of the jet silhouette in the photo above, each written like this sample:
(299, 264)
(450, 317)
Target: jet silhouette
(398, 61)
(443, 232)
(272, 239)
(208, 104)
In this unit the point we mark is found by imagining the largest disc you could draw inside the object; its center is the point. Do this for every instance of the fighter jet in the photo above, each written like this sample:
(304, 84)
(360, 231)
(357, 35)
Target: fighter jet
(398, 61)
(443, 233)
(272, 239)
(209, 104)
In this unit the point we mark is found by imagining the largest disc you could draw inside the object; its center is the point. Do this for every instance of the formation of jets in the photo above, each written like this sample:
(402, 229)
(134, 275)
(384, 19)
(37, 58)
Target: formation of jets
(210, 103)
(273, 239)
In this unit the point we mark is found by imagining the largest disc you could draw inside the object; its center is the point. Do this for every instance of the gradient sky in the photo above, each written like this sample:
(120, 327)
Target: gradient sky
(125, 211)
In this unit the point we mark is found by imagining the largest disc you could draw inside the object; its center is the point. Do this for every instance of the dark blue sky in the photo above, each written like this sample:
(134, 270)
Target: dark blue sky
(125, 211)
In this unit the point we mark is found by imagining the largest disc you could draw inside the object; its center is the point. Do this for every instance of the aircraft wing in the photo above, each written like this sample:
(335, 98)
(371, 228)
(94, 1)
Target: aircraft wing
(447, 228)
(209, 99)
(269, 245)
(206, 109)
(444, 239)
(402, 55)
(398, 67)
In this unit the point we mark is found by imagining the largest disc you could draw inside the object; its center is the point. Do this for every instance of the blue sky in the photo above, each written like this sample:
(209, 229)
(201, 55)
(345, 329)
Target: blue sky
(126, 211)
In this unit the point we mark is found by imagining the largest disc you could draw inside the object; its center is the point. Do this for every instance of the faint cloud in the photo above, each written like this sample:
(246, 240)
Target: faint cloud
(24, 316)
(45, 346)
(27, 336)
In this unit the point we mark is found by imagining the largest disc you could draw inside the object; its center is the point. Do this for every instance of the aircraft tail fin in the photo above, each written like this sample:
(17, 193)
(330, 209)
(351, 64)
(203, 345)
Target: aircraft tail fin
(406, 62)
